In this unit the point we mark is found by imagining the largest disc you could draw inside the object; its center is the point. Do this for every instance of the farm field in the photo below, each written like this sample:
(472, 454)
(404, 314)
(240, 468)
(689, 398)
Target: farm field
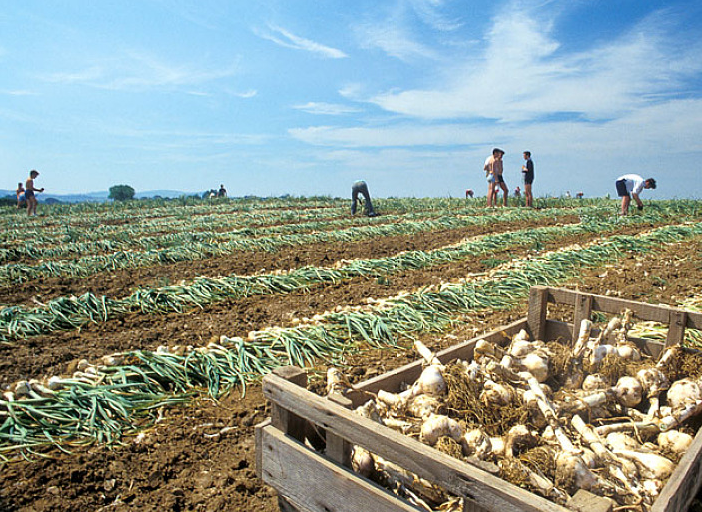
(250, 285)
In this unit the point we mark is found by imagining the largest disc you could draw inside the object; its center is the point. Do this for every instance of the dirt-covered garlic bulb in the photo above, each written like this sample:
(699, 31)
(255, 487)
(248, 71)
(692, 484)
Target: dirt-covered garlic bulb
(422, 406)
(628, 391)
(519, 438)
(362, 461)
(496, 394)
(682, 393)
(436, 426)
(593, 382)
(430, 382)
(650, 465)
(674, 441)
(476, 443)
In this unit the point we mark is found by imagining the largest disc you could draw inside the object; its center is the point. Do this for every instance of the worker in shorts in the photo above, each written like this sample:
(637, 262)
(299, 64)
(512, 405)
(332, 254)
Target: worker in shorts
(20, 195)
(493, 166)
(631, 185)
(30, 191)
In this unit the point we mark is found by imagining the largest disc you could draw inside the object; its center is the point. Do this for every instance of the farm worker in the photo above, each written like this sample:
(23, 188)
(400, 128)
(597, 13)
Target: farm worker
(493, 173)
(469, 193)
(29, 193)
(360, 187)
(222, 191)
(20, 195)
(631, 185)
(528, 175)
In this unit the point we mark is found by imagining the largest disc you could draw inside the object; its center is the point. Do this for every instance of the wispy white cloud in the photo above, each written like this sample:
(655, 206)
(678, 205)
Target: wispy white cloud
(636, 133)
(18, 92)
(287, 39)
(332, 109)
(430, 12)
(136, 70)
(246, 94)
(393, 39)
(522, 75)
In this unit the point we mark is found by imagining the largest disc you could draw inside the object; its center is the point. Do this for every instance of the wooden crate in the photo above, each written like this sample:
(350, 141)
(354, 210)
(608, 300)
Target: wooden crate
(320, 480)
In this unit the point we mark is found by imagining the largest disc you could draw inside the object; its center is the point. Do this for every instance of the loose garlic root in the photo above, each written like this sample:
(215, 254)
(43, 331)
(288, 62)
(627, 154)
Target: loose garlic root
(608, 426)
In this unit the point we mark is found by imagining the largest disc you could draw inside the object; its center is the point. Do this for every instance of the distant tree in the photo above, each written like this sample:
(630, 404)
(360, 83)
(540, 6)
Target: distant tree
(121, 193)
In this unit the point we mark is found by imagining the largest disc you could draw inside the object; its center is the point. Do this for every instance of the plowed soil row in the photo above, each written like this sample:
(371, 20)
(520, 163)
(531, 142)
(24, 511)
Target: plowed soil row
(121, 283)
(58, 353)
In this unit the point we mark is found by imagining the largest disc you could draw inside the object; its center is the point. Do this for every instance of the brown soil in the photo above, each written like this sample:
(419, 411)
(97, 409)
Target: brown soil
(201, 456)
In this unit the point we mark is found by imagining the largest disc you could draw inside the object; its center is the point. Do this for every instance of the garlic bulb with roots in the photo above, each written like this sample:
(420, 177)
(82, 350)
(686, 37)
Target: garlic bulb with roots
(436, 426)
(430, 382)
(683, 392)
(628, 391)
(674, 441)
(537, 365)
(362, 461)
(650, 465)
(496, 394)
(593, 382)
(518, 439)
(621, 441)
(422, 406)
(476, 443)
(572, 473)
(625, 352)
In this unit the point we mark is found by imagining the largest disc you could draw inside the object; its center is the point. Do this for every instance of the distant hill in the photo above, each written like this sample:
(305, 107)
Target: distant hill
(100, 197)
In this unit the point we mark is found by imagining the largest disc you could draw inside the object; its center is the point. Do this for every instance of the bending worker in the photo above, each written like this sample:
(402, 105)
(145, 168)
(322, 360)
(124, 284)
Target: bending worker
(360, 187)
(631, 185)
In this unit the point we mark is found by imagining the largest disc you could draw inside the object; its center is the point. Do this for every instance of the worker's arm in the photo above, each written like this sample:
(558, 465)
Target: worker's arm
(638, 201)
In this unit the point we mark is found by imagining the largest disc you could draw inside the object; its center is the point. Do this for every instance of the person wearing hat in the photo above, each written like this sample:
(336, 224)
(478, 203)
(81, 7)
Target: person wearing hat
(631, 185)
(29, 193)
(493, 172)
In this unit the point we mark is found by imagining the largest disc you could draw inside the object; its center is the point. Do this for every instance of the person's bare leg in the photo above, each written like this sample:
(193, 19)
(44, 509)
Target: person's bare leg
(625, 204)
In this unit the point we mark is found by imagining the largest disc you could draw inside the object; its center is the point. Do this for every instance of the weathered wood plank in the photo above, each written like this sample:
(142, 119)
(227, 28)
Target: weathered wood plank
(315, 484)
(457, 477)
(282, 418)
(536, 316)
(338, 448)
(257, 440)
(583, 309)
(676, 328)
(642, 311)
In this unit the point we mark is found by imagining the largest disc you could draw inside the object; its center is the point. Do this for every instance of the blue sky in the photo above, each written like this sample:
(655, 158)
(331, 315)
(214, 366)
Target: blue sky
(305, 96)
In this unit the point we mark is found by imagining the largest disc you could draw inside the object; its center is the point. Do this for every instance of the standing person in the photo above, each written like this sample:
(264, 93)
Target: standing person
(631, 185)
(20, 195)
(490, 177)
(528, 175)
(222, 191)
(360, 187)
(29, 193)
(494, 164)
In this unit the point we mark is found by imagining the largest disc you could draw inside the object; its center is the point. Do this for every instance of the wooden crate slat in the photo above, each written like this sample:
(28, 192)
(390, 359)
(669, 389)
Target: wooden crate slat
(536, 316)
(449, 473)
(642, 311)
(583, 310)
(314, 484)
